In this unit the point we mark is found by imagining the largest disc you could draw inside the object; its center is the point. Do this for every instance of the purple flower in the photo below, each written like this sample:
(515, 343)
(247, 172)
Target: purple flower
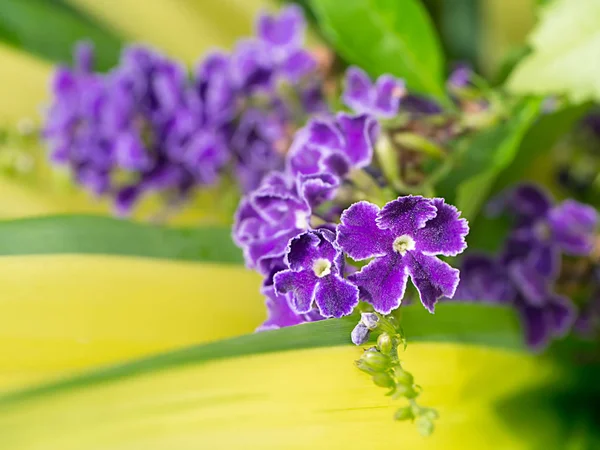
(276, 212)
(381, 99)
(280, 314)
(460, 77)
(333, 146)
(403, 239)
(543, 231)
(549, 319)
(483, 278)
(315, 276)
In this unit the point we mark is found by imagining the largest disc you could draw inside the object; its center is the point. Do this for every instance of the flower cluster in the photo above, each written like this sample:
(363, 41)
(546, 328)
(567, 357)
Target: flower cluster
(320, 246)
(148, 126)
(526, 271)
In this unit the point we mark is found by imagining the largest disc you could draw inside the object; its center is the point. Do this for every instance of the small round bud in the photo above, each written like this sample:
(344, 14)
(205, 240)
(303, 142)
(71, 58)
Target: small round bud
(383, 380)
(425, 426)
(375, 361)
(360, 334)
(403, 377)
(370, 320)
(405, 391)
(384, 343)
(404, 414)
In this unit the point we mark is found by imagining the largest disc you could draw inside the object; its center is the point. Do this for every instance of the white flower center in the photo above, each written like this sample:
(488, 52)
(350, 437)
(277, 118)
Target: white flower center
(322, 267)
(301, 220)
(542, 231)
(403, 243)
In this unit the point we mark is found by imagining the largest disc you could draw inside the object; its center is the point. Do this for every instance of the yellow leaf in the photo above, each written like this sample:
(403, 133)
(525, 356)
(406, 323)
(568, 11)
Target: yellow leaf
(63, 313)
(303, 399)
(24, 83)
(183, 29)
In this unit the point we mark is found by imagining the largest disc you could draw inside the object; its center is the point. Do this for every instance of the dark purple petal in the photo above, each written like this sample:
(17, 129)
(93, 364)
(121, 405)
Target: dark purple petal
(432, 277)
(126, 199)
(407, 214)
(538, 329)
(531, 201)
(335, 296)
(252, 68)
(533, 286)
(562, 314)
(484, 279)
(357, 91)
(545, 258)
(304, 249)
(573, 225)
(322, 133)
(445, 233)
(301, 285)
(388, 92)
(358, 234)
(336, 163)
(272, 244)
(360, 133)
(382, 282)
(316, 189)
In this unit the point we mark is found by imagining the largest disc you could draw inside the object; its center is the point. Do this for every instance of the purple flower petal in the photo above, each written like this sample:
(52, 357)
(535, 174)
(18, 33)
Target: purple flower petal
(335, 296)
(529, 282)
(298, 64)
(301, 285)
(445, 233)
(537, 326)
(360, 133)
(482, 278)
(407, 214)
(358, 234)
(304, 249)
(316, 189)
(388, 92)
(322, 133)
(382, 282)
(283, 31)
(573, 225)
(279, 312)
(357, 92)
(432, 277)
(562, 314)
(131, 153)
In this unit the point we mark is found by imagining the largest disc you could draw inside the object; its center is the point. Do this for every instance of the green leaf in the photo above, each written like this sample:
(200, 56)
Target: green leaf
(476, 166)
(104, 235)
(565, 57)
(50, 29)
(386, 36)
(480, 324)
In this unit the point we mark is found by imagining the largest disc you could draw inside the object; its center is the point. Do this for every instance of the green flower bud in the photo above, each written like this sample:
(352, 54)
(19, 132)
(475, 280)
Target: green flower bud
(383, 380)
(403, 377)
(404, 414)
(405, 391)
(425, 426)
(375, 361)
(384, 343)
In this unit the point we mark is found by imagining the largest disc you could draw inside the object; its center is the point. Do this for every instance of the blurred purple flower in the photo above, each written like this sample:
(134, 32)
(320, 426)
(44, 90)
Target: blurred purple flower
(381, 99)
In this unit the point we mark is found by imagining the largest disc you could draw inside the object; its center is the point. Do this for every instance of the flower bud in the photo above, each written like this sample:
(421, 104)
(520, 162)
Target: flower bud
(405, 391)
(383, 380)
(370, 320)
(375, 361)
(384, 343)
(404, 414)
(360, 334)
(403, 377)
(424, 426)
